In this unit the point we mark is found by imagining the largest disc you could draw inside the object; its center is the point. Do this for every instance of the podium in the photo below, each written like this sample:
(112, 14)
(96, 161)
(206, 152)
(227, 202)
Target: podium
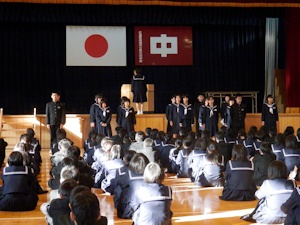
(149, 105)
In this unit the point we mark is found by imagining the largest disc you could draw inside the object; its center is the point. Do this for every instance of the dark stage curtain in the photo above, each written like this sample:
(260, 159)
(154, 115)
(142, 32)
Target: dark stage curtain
(228, 54)
(292, 57)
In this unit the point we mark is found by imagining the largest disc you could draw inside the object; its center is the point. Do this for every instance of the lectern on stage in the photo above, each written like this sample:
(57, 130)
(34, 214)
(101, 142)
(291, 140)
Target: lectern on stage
(149, 105)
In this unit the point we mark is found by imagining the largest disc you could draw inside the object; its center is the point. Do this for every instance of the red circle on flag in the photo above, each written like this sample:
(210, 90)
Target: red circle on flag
(96, 45)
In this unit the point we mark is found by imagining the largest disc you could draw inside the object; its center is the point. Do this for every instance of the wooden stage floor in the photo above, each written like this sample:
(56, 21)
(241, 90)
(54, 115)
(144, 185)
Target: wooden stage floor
(191, 204)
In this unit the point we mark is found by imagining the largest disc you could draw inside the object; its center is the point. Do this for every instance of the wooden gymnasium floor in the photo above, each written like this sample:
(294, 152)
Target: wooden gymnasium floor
(191, 204)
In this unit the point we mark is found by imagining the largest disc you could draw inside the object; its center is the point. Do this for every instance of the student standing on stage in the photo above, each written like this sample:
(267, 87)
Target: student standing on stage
(126, 116)
(197, 105)
(227, 117)
(210, 117)
(168, 113)
(93, 111)
(238, 114)
(200, 115)
(103, 118)
(186, 114)
(55, 114)
(139, 90)
(224, 106)
(174, 116)
(269, 114)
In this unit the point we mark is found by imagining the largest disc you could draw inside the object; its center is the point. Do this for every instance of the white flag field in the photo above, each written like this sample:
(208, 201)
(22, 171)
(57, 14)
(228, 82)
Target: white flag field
(96, 46)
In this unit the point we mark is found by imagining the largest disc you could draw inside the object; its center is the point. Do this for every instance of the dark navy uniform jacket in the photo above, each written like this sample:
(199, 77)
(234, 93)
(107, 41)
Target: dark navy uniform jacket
(55, 113)
(186, 116)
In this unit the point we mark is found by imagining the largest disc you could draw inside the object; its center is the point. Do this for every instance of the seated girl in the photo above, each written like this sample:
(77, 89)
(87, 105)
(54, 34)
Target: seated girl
(272, 194)
(239, 184)
(17, 192)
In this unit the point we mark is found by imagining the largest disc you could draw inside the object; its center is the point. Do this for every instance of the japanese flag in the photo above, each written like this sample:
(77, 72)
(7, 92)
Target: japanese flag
(95, 46)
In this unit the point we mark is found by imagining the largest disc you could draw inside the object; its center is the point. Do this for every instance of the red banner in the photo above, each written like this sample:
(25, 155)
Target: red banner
(163, 46)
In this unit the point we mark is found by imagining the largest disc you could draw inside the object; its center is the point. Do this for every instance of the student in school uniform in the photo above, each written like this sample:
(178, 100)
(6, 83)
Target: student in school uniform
(227, 116)
(3, 145)
(172, 166)
(210, 116)
(224, 105)
(200, 115)
(238, 114)
(197, 105)
(126, 116)
(261, 161)
(139, 90)
(239, 184)
(168, 113)
(93, 112)
(278, 146)
(182, 158)
(167, 145)
(269, 114)
(127, 182)
(291, 153)
(298, 137)
(103, 118)
(158, 199)
(272, 194)
(186, 114)
(17, 192)
(174, 116)
(292, 208)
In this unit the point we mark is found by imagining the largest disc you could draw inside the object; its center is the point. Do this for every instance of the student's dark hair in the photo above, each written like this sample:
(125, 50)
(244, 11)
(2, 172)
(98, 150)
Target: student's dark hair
(187, 142)
(264, 129)
(198, 134)
(153, 134)
(280, 139)
(168, 136)
(241, 134)
(272, 131)
(56, 92)
(25, 136)
(86, 180)
(239, 153)
(73, 151)
(212, 152)
(260, 135)
(230, 133)
(138, 163)
(298, 132)
(223, 129)
(99, 138)
(161, 135)
(183, 132)
(212, 147)
(291, 142)
(66, 187)
(178, 143)
(191, 135)
(85, 207)
(68, 161)
(30, 132)
(125, 99)
(265, 147)
(15, 159)
(269, 96)
(126, 139)
(276, 170)
(219, 135)
(200, 144)
(103, 100)
(288, 131)
(132, 135)
(185, 96)
(92, 134)
(99, 95)
(253, 128)
(148, 130)
(62, 132)
(238, 95)
(251, 135)
(205, 134)
(128, 156)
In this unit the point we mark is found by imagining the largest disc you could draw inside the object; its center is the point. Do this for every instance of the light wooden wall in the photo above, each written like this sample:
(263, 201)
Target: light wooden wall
(77, 126)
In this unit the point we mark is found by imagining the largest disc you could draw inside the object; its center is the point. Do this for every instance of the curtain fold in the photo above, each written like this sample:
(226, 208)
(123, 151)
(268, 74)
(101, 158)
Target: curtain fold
(271, 55)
